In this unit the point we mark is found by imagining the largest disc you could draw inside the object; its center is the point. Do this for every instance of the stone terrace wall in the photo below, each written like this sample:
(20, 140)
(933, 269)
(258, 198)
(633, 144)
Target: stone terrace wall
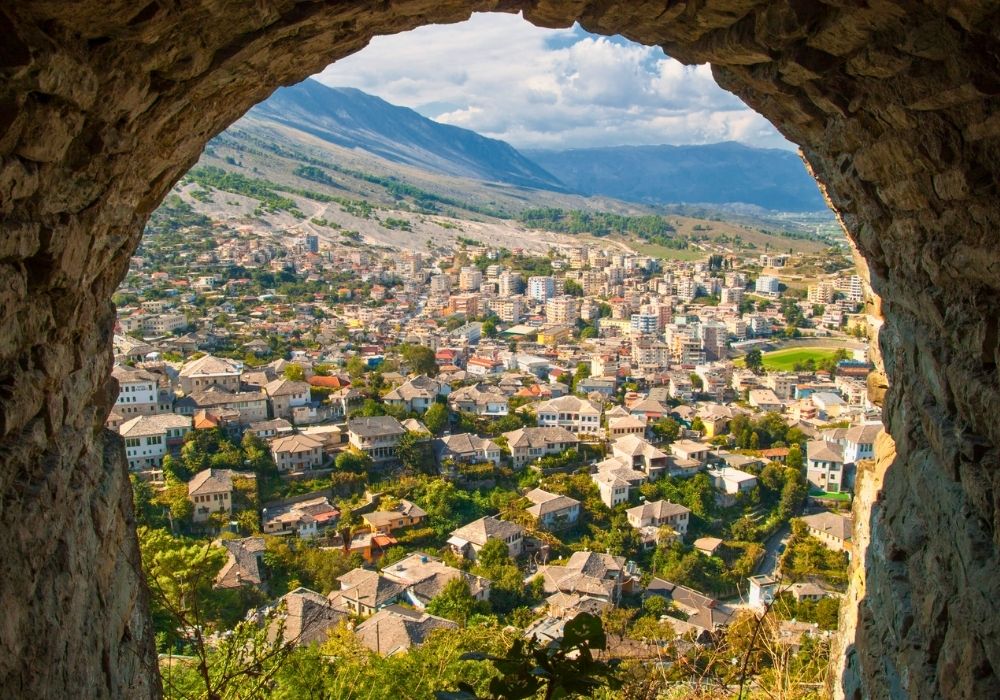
(105, 103)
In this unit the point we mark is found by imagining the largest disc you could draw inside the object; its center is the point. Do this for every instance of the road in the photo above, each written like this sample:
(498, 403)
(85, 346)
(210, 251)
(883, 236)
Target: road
(773, 548)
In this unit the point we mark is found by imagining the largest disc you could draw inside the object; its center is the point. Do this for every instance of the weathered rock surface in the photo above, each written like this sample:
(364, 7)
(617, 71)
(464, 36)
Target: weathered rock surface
(104, 105)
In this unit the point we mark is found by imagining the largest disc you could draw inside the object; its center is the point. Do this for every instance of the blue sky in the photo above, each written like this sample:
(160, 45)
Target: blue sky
(550, 88)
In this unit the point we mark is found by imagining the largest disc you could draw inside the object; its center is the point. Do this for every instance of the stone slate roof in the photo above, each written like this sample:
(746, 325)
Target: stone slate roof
(478, 532)
(395, 629)
(835, 525)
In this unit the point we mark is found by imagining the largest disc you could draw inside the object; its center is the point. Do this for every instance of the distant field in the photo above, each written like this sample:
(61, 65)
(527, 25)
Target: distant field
(658, 251)
(785, 360)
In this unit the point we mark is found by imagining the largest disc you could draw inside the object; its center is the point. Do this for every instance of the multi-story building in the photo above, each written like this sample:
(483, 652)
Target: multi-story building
(577, 415)
(825, 465)
(562, 310)
(645, 323)
(529, 444)
(767, 286)
(209, 370)
(470, 279)
(467, 304)
(508, 309)
(149, 438)
(541, 288)
(821, 292)
(509, 283)
(138, 391)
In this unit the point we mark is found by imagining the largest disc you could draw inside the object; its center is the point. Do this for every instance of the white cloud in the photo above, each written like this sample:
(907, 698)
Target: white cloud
(541, 88)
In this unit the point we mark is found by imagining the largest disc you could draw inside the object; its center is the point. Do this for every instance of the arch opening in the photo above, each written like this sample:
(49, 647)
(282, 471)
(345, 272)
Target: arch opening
(894, 109)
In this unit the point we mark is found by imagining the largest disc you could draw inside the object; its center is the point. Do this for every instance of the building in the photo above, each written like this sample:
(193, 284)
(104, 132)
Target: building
(479, 399)
(285, 395)
(615, 481)
(468, 540)
(541, 288)
(149, 438)
(417, 393)
(635, 452)
(470, 279)
(552, 511)
(825, 466)
(208, 371)
(403, 514)
(563, 310)
(601, 576)
(305, 516)
(376, 436)
(297, 453)
(528, 444)
(467, 448)
(306, 618)
(424, 577)
(138, 391)
(577, 415)
(211, 491)
(660, 514)
(767, 285)
(730, 483)
(834, 530)
(395, 629)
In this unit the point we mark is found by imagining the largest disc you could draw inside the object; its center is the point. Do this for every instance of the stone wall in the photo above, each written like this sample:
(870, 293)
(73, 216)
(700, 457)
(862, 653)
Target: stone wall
(104, 104)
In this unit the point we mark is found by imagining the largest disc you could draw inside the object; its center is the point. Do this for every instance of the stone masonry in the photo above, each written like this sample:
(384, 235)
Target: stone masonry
(105, 104)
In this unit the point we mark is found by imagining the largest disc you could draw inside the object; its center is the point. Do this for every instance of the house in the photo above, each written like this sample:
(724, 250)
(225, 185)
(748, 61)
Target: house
(659, 514)
(828, 403)
(648, 409)
(284, 395)
(395, 629)
(297, 453)
(600, 576)
(244, 565)
(304, 516)
(691, 449)
(376, 436)
(639, 454)
(469, 539)
(138, 391)
(404, 514)
(615, 480)
(763, 590)
(248, 406)
(704, 613)
(417, 394)
(208, 370)
(552, 511)
(626, 425)
(858, 442)
(305, 617)
(580, 416)
(364, 592)
(708, 545)
(267, 429)
(604, 387)
(832, 529)
(211, 491)
(765, 400)
(467, 448)
(424, 578)
(825, 466)
(529, 444)
(149, 437)
(730, 483)
(479, 399)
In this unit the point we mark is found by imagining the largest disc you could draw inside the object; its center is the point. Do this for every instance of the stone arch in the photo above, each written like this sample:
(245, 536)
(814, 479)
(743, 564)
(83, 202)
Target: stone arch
(105, 104)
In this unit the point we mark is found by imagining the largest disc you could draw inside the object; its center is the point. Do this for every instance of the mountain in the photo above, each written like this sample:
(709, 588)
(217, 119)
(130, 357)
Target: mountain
(716, 173)
(356, 120)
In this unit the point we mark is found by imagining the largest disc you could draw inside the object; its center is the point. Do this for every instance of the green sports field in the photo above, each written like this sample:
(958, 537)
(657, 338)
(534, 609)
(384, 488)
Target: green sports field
(785, 360)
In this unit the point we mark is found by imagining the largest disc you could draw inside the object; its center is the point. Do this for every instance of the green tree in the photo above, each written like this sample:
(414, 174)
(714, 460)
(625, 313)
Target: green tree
(754, 361)
(456, 602)
(794, 459)
(356, 368)
(490, 327)
(352, 461)
(436, 418)
(419, 358)
(666, 429)
(295, 372)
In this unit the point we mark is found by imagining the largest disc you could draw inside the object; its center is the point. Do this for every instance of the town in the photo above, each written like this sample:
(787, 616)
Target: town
(359, 445)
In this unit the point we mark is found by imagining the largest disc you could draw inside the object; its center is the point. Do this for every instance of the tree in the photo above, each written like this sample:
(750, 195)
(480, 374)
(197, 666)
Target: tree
(494, 553)
(295, 372)
(456, 602)
(666, 429)
(754, 361)
(794, 459)
(419, 358)
(356, 368)
(696, 381)
(352, 461)
(436, 418)
(490, 327)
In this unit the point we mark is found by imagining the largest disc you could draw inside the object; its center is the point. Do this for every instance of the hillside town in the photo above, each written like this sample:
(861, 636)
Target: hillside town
(392, 442)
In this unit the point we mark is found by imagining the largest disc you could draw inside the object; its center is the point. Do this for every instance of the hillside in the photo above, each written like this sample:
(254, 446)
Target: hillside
(355, 120)
(715, 173)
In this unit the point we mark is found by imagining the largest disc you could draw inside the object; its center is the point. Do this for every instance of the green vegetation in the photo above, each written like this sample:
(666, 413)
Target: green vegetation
(791, 358)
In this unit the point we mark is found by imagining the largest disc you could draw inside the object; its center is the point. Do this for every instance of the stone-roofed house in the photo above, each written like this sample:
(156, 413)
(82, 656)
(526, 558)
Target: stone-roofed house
(552, 511)
(825, 465)
(580, 416)
(730, 483)
(208, 370)
(304, 517)
(599, 576)
(417, 394)
(832, 529)
(138, 391)
(467, 448)
(620, 426)
(149, 437)
(308, 618)
(704, 613)
(424, 577)
(393, 630)
(479, 399)
(529, 444)
(649, 517)
(250, 406)
(297, 453)
(211, 491)
(615, 480)
(285, 395)
(639, 454)
(376, 436)
(364, 592)
(244, 566)
(469, 539)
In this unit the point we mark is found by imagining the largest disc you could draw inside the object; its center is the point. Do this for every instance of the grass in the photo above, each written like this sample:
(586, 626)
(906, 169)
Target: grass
(785, 360)
(658, 251)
